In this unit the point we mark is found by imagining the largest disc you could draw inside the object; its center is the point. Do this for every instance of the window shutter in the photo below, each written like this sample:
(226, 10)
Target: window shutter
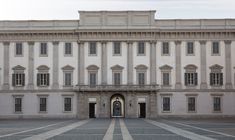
(23, 79)
(185, 79)
(13, 79)
(38, 79)
(221, 79)
(211, 79)
(48, 79)
(195, 78)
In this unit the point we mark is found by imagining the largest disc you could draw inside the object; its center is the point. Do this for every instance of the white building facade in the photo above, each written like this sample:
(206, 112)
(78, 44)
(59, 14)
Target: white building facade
(117, 64)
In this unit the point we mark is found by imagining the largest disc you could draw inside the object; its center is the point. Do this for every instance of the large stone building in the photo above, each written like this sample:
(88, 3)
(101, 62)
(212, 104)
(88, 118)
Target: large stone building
(117, 64)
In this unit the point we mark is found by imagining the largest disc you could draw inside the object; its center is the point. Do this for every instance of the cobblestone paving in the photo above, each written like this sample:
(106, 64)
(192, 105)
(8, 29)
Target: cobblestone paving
(95, 129)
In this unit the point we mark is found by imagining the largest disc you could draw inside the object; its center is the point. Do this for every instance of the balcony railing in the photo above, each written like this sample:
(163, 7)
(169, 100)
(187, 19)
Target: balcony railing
(117, 87)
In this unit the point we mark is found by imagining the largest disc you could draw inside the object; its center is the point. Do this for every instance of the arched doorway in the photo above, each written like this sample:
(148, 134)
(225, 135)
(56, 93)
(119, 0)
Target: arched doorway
(117, 106)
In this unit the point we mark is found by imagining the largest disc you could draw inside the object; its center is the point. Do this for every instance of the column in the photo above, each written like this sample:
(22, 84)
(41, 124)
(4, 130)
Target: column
(6, 65)
(178, 84)
(81, 65)
(203, 72)
(31, 66)
(129, 63)
(228, 71)
(153, 61)
(104, 63)
(55, 84)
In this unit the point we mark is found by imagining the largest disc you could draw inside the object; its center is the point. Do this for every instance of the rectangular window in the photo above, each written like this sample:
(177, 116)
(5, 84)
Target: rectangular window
(166, 104)
(18, 104)
(217, 103)
(141, 78)
(190, 79)
(117, 78)
(43, 49)
(92, 48)
(92, 79)
(141, 48)
(191, 104)
(68, 49)
(67, 104)
(43, 79)
(18, 79)
(43, 104)
(68, 79)
(215, 48)
(165, 48)
(166, 79)
(117, 48)
(190, 48)
(216, 79)
(19, 49)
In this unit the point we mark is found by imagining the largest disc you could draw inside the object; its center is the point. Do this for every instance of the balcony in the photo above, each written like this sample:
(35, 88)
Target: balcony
(140, 88)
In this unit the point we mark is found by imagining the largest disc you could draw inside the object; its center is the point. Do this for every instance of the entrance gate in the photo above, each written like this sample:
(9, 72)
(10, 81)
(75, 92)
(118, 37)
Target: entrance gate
(117, 106)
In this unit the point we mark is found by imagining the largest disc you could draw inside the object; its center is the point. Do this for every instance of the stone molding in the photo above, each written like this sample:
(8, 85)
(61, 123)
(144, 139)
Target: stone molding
(165, 67)
(18, 67)
(92, 68)
(43, 67)
(216, 66)
(67, 67)
(141, 67)
(117, 67)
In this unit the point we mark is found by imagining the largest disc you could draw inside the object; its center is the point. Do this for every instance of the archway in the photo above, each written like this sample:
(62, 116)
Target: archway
(117, 106)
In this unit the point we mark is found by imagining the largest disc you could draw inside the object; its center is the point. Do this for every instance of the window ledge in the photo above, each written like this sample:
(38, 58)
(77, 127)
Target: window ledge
(42, 112)
(117, 55)
(217, 111)
(166, 111)
(18, 112)
(43, 55)
(92, 54)
(141, 55)
(67, 111)
(166, 86)
(68, 55)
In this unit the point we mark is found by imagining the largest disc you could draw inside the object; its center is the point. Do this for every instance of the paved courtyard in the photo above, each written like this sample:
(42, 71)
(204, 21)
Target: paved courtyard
(117, 129)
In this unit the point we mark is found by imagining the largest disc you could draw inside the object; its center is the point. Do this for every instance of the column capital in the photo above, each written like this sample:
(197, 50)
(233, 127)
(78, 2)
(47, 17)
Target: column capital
(6, 43)
(129, 42)
(55, 43)
(80, 42)
(202, 42)
(177, 42)
(227, 42)
(30, 43)
(103, 42)
(153, 41)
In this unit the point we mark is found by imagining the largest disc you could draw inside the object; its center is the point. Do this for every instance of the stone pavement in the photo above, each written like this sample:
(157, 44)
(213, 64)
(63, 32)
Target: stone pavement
(117, 129)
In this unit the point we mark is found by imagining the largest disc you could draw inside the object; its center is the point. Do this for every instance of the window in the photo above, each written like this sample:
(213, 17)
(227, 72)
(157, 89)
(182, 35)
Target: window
(43, 104)
(141, 48)
(166, 78)
(67, 104)
(18, 104)
(43, 79)
(18, 79)
(43, 49)
(166, 74)
(216, 75)
(215, 48)
(191, 104)
(68, 49)
(117, 48)
(166, 104)
(92, 48)
(19, 49)
(92, 79)
(68, 79)
(165, 48)
(190, 76)
(141, 78)
(190, 48)
(117, 78)
(217, 104)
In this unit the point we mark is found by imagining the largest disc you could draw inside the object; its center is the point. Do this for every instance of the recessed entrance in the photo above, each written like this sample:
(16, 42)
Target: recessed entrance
(92, 110)
(117, 106)
(142, 109)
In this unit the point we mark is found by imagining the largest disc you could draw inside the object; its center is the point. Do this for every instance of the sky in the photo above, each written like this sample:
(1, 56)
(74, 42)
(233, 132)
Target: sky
(68, 9)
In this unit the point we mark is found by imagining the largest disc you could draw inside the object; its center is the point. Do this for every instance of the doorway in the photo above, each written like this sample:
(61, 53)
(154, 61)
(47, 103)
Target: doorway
(142, 109)
(92, 110)
(117, 106)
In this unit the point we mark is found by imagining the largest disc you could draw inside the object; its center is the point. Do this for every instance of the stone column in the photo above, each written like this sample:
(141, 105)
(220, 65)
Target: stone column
(153, 61)
(6, 63)
(55, 84)
(203, 84)
(129, 63)
(228, 62)
(178, 84)
(104, 63)
(81, 65)
(31, 66)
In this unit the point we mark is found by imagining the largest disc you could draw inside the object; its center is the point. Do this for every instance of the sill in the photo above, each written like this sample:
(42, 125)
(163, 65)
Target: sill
(141, 55)
(67, 111)
(68, 55)
(166, 111)
(217, 111)
(166, 86)
(190, 54)
(43, 55)
(18, 112)
(215, 54)
(19, 55)
(42, 112)
(191, 86)
(216, 86)
(192, 111)
(165, 54)
(117, 55)
(92, 55)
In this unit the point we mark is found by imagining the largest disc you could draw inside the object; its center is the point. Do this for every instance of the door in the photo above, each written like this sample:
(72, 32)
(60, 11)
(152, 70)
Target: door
(91, 110)
(117, 109)
(142, 110)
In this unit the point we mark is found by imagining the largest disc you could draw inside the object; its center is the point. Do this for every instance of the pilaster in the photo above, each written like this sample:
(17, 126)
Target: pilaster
(178, 84)
(55, 84)
(6, 63)
(104, 63)
(81, 63)
(31, 66)
(228, 62)
(203, 59)
(152, 105)
(153, 61)
(129, 63)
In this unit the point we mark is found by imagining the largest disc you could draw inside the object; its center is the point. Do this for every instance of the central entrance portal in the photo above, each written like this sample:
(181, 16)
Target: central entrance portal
(117, 106)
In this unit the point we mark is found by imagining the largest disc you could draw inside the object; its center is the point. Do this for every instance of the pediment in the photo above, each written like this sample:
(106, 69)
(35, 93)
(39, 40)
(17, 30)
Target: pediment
(190, 67)
(141, 67)
(117, 67)
(216, 66)
(43, 67)
(18, 67)
(92, 67)
(67, 67)
(165, 67)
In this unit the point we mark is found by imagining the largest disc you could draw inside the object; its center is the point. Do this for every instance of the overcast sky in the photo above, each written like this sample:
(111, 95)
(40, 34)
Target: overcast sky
(68, 9)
